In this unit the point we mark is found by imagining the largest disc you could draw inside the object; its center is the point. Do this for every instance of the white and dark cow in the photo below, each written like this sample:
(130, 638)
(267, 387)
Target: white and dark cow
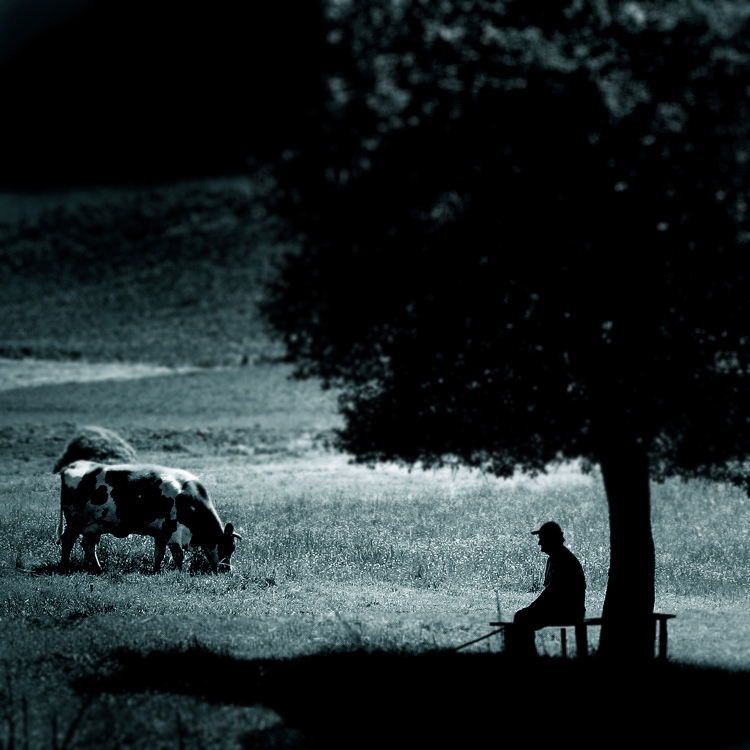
(170, 505)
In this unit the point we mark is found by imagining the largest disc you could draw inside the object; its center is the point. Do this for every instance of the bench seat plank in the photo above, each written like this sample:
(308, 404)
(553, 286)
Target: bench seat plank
(581, 629)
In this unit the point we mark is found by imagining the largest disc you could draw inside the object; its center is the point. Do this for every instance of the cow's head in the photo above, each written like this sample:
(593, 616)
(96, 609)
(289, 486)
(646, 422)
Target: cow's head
(226, 548)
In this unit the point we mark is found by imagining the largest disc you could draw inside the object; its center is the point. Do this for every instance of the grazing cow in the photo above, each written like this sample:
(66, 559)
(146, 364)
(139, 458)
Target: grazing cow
(170, 505)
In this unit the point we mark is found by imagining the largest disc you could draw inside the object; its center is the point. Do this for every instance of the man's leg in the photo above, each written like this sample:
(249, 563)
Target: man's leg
(519, 637)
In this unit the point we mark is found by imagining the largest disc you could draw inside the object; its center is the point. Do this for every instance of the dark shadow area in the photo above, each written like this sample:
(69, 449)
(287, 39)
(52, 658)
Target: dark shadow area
(153, 91)
(369, 700)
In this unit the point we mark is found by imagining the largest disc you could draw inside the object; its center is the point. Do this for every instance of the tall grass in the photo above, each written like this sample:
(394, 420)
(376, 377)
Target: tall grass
(319, 533)
(701, 536)
(333, 558)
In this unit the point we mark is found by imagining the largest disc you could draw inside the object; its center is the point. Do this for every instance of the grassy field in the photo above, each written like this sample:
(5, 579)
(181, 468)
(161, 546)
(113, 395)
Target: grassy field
(166, 275)
(350, 585)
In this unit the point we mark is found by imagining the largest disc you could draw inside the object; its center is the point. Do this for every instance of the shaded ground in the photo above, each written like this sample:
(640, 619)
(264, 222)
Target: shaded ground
(375, 700)
(136, 679)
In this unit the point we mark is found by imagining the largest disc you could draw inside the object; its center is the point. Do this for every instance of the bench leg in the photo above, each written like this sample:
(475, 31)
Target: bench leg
(564, 642)
(582, 644)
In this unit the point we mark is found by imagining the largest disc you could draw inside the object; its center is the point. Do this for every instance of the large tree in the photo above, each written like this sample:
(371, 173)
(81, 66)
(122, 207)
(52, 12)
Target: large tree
(521, 230)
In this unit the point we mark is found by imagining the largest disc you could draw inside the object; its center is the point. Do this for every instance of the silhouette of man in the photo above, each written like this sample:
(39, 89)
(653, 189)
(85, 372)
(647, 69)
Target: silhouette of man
(563, 597)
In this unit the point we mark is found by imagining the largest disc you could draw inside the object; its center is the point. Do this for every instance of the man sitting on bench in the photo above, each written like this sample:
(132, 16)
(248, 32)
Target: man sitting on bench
(561, 602)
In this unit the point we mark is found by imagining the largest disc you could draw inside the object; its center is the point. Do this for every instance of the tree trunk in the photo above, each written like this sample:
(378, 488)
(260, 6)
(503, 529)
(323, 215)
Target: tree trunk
(628, 626)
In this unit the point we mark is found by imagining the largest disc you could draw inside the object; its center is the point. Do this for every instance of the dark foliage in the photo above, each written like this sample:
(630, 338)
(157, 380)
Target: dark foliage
(523, 230)
(375, 700)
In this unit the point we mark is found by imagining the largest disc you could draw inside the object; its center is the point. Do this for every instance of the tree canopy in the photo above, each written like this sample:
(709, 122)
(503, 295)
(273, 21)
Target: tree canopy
(523, 225)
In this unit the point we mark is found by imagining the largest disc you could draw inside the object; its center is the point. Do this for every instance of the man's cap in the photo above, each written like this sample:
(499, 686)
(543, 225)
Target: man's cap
(549, 529)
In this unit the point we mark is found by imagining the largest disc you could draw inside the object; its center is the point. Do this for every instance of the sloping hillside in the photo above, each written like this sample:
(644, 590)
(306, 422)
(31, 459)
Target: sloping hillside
(167, 275)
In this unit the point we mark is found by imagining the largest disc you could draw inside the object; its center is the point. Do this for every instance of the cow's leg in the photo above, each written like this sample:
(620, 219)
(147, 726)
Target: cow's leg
(212, 555)
(89, 543)
(177, 554)
(68, 539)
(160, 549)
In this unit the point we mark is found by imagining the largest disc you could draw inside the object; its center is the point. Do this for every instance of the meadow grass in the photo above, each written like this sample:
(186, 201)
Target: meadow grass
(332, 555)
(318, 529)
(333, 558)
(340, 526)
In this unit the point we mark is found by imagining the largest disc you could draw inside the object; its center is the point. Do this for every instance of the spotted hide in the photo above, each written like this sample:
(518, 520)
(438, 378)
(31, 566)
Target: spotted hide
(170, 505)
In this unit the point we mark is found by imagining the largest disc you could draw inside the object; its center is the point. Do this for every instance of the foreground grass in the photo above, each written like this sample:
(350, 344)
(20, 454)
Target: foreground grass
(189, 695)
(376, 699)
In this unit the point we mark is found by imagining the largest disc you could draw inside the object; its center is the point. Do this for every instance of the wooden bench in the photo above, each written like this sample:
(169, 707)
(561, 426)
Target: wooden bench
(581, 633)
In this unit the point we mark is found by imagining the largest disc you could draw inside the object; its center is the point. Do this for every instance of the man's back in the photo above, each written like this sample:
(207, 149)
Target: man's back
(564, 592)
(564, 595)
